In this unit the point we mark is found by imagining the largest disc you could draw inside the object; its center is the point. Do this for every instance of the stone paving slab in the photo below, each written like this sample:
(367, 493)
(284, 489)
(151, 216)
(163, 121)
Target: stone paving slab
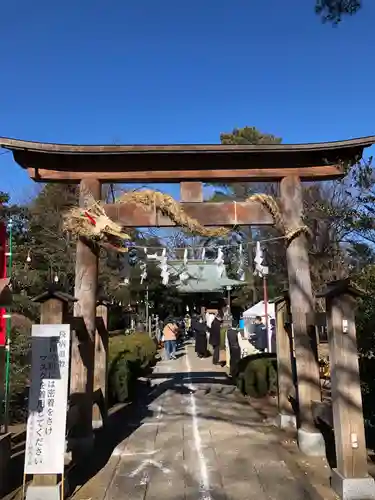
(200, 440)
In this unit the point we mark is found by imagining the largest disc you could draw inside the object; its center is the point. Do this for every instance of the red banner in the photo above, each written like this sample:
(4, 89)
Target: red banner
(3, 274)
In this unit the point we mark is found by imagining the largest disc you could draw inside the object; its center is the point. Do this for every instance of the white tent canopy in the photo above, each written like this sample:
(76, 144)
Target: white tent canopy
(258, 310)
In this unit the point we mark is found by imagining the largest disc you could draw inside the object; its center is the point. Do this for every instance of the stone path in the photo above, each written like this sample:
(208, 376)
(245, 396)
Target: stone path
(200, 440)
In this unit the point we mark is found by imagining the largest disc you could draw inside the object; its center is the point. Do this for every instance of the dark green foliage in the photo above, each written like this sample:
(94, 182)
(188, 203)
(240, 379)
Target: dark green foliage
(20, 360)
(248, 135)
(122, 379)
(257, 375)
(333, 10)
(140, 344)
(4, 197)
(365, 322)
(130, 357)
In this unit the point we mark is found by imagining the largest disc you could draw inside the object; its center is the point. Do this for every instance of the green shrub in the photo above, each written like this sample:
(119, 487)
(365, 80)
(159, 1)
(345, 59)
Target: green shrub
(139, 344)
(122, 380)
(130, 356)
(257, 375)
(19, 371)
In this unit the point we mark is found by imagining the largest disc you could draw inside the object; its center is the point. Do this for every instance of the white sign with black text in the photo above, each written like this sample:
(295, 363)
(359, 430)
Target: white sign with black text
(48, 399)
(43, 493)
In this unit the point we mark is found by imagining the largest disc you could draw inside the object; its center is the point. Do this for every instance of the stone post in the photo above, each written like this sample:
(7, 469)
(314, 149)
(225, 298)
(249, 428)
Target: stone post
(100, 408)
(350, 478)
(285, 363)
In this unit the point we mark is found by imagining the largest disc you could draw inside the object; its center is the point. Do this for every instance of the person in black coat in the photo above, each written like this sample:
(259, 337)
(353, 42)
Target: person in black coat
(215, 338)
(260, 335)
(199, 328)
(235, 351)
(273, 335)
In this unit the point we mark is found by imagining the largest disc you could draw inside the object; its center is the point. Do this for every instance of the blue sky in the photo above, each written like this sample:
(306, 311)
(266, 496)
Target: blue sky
(180, 72)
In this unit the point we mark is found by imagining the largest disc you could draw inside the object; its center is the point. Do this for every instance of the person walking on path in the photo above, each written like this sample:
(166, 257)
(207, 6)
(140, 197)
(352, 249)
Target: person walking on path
(170, 332)
(215, 338)
(187, 325)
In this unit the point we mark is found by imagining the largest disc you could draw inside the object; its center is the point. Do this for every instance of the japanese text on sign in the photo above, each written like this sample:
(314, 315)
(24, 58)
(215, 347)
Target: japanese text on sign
(46, 423)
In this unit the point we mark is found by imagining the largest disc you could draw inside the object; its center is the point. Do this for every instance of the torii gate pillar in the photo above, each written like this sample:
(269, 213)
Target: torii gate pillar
(83, 340)
(310, 440)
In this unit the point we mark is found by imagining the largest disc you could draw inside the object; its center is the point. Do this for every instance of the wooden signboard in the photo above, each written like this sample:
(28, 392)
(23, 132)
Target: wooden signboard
(46, 423)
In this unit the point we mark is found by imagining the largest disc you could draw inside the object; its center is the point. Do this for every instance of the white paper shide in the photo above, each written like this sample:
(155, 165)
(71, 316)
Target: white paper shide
(46, 423)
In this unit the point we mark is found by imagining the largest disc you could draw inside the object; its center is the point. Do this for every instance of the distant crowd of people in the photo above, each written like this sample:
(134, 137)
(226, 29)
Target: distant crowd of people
(206, 329)
(203, 330)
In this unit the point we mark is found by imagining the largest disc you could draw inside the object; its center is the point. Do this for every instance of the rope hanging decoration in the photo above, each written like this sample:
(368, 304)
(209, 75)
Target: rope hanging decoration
(93, 223)
(271, 204)
(171, 208)
(168, 206)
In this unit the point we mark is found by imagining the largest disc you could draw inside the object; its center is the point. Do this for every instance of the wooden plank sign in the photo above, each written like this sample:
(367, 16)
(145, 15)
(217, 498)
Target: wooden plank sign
(46, 423)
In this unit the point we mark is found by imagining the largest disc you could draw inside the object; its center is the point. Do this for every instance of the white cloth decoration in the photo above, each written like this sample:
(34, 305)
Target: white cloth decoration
(185, 257)
(203, 257)
(219, 261)
(260, 269)
(184, 276)
(153, 256)
(241, 271)
(164, 268)
(209, 319)
(143, 267)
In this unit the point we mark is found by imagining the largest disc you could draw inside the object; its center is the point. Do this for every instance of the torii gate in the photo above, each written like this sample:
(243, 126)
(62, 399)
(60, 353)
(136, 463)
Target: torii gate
(189, 165)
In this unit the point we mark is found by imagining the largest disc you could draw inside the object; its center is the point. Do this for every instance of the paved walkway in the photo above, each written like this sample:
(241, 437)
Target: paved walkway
(200, 440)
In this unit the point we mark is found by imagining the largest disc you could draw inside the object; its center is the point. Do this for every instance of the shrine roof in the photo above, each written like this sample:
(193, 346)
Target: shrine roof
(203, 277)
(55, 148)
(51, 162)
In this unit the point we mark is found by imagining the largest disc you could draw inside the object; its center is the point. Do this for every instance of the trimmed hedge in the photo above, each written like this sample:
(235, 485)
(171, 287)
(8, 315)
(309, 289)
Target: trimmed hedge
(257, 375)
(130, 356)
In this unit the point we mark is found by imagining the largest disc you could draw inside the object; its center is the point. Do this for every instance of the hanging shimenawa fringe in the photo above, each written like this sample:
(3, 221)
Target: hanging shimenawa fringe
(95, 224)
